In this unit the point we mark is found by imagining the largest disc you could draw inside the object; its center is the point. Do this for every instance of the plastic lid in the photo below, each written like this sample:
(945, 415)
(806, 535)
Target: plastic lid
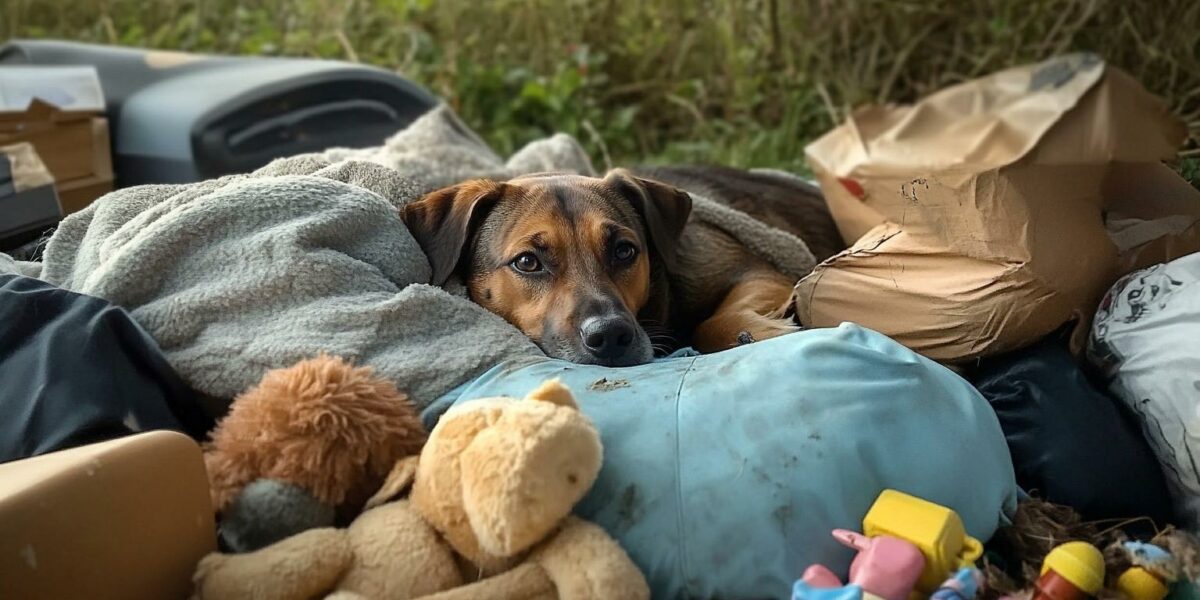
(1079, 563)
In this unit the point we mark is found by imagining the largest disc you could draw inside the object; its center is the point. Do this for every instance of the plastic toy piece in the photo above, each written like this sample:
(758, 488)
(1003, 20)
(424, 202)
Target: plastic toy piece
(819, 576)
(1072, 571)
(962, 586)
(935, 530)
(885, 567)
(805, 591)
(1144, 581)
(1152, 557)
(1139, 584)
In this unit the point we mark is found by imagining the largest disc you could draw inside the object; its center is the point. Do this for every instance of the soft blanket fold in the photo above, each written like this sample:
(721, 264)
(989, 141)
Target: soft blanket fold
(237, 275)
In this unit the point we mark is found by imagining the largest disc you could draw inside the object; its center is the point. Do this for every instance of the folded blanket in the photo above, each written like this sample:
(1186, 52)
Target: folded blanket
(8, 266)
(238, 275)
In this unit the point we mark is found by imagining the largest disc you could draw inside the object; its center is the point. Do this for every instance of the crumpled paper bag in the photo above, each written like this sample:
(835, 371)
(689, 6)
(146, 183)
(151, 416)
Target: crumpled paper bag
(979, 217)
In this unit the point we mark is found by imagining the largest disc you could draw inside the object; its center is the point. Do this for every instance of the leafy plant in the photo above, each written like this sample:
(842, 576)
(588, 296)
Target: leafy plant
(740, 82)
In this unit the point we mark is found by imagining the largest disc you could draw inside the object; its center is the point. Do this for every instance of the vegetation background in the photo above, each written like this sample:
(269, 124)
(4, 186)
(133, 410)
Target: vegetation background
(740, 82)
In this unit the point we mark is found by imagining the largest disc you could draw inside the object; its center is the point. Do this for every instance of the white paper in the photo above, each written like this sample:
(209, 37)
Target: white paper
(68, 88)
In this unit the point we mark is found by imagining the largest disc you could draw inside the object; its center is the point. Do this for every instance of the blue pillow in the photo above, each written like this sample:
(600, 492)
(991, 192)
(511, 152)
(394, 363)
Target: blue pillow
(724, 473)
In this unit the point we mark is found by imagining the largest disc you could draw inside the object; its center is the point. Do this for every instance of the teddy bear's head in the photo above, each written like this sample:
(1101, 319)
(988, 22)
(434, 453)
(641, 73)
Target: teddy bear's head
(498, 475)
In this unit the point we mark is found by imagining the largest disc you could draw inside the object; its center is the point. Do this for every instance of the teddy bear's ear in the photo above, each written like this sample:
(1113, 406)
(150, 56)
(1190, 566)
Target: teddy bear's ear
(397, 482)
(554, 392)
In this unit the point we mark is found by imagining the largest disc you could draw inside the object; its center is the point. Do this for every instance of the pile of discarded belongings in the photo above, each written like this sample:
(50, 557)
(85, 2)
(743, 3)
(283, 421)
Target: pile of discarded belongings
(1024, 229)
(54, 149)
(994, 383)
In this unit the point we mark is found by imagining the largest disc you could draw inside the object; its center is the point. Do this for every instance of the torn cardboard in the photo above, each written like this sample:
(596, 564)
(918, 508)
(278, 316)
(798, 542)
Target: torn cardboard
(979, 219)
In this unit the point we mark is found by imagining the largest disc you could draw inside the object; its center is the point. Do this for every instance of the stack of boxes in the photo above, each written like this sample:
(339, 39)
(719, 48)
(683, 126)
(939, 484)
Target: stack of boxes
(51, 121)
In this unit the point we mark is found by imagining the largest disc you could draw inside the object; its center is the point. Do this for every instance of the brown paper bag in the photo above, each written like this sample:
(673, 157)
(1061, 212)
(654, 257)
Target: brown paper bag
(978, 216)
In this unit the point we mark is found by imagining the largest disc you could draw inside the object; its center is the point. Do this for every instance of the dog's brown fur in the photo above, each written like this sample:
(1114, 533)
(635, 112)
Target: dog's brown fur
(688, 283)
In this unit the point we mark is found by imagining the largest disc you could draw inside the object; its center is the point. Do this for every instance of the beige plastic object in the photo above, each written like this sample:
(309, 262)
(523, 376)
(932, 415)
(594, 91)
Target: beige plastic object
(977, 215)
(28, 170)
(126, 519)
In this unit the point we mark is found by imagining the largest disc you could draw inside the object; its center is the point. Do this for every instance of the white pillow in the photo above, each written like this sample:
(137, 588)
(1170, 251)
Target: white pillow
(1146, 338)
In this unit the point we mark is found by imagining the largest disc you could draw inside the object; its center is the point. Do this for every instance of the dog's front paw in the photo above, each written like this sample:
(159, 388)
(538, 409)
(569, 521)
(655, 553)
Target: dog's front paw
(764, 328)
(738, 329)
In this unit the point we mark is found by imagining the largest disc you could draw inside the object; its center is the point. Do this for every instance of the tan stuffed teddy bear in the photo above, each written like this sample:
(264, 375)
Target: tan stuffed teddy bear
(488, 517)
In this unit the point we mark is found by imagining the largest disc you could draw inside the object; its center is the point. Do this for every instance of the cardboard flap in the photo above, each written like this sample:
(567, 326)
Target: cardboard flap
(1148, 191)
(1072, 112)
(36, 111)
(1116, 121)
(978, 125)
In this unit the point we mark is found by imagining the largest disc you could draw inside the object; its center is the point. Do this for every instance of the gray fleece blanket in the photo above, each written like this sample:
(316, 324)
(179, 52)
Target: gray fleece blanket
(238, 275)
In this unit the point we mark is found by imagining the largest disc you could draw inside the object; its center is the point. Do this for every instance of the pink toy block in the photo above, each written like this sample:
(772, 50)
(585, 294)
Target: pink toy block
(887, 567)
(820, 577)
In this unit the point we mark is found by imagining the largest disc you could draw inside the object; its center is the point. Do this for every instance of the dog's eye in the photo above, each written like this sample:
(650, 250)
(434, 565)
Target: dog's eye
(624, 252)
(527, 263)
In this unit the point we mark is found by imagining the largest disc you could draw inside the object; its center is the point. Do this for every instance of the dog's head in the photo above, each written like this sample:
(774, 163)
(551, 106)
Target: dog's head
(569, 260)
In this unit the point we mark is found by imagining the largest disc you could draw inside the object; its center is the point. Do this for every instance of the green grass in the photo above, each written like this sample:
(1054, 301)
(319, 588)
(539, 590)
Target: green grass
(741, 82)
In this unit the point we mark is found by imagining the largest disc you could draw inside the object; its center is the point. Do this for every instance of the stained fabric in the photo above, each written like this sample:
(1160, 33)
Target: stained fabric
(724, 473)
(75, 369)
(1071, 443)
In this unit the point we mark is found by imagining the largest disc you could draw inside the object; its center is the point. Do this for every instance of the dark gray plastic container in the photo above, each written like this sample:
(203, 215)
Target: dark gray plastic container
(177, 118)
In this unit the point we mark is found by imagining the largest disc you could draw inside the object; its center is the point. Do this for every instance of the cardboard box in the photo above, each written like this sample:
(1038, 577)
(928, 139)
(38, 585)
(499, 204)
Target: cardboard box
(59, 110)
(125, 519)
(28, 202)
(993, 212)
(76, 194)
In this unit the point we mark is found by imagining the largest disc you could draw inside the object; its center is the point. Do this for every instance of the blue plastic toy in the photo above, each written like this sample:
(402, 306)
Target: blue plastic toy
(962, 586)
(804, 591)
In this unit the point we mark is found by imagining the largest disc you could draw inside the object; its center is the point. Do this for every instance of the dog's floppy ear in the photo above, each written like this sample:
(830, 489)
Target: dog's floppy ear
(664, 209)
(442, 221)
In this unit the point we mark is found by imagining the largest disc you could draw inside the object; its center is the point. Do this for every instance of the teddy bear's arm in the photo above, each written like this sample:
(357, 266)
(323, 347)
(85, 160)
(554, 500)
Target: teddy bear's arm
(586, 564)
(397, 554)
(527, 581)
(300, 567)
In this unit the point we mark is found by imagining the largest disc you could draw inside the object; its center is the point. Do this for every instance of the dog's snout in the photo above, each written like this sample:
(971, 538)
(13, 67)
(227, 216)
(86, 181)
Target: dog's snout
(607, 338)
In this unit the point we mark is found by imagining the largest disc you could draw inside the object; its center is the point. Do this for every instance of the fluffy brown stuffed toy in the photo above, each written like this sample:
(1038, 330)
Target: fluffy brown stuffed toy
(322, 425)
(483, 513)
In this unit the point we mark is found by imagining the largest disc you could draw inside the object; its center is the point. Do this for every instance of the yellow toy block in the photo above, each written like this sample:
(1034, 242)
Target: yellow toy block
(1140, 584)
(936, 530)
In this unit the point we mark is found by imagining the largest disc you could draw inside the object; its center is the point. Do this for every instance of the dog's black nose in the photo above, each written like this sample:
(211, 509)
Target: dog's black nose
(606, 337)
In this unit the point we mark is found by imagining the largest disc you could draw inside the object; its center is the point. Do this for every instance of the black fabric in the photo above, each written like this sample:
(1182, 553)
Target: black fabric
(76, 370)
(1070, 443)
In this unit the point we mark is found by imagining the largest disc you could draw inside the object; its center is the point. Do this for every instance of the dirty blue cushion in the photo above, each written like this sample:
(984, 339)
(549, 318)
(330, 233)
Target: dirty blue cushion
(724, 473)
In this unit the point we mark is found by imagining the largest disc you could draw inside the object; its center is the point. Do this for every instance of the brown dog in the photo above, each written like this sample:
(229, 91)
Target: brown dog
(610, 270)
